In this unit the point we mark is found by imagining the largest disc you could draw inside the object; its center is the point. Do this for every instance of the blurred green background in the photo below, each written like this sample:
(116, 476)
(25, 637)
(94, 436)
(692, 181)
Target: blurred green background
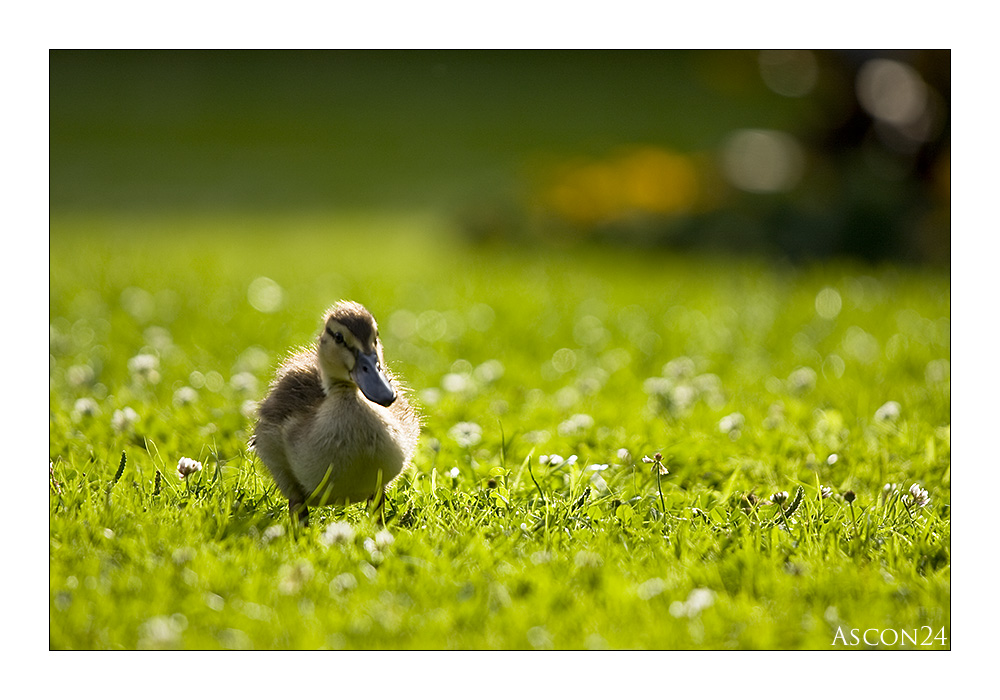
(796, 154)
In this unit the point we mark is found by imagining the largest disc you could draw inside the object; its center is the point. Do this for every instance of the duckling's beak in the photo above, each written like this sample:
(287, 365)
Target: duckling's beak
(372, 380)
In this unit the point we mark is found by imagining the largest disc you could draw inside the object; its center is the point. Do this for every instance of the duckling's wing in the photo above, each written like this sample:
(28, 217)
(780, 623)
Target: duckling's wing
(297, 388)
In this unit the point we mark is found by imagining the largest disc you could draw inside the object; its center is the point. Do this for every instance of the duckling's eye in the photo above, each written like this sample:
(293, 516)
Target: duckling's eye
(337, 336)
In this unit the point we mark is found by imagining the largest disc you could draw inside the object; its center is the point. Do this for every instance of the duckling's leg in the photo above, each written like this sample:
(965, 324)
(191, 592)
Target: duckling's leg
(379, 506)
(298, 510)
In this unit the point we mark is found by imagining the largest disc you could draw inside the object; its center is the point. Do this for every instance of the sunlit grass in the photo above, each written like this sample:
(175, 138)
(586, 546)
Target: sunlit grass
(530, 518)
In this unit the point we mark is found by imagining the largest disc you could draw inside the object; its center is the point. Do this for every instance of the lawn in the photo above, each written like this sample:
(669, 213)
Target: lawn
(536, 515)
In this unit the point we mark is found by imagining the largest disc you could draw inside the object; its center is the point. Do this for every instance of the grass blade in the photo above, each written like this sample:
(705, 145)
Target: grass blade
(796, 502)
(121, 470)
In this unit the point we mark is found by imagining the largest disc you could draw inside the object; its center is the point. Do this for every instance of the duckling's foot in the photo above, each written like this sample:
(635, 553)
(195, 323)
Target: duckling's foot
(299, 512)
(379, 505)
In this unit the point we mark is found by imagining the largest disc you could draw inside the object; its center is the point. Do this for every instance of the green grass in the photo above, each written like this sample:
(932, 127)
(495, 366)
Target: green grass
(568, 352)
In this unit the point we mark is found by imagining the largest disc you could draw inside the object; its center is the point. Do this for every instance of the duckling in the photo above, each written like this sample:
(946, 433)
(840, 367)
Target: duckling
(336, 426)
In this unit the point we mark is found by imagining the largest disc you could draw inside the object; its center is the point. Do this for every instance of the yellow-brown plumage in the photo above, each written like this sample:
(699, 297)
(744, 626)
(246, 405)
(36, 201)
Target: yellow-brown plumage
(336, 426)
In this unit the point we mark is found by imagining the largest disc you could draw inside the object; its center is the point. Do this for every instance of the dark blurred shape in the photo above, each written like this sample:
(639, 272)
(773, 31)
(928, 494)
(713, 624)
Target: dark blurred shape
(797, 153)
(862, 172)
(892, 155)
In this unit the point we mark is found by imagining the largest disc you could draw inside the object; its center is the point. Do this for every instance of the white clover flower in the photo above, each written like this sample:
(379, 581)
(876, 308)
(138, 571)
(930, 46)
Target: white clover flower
(732, 422)
(337, 532)
(888, 412)
(598, 482)
(577, 423)
(919, 496)
(651, 588)
(586, 559)
(343, 582)
(143, 363)
(539, 638)
(598, 467)
(825, 492)
(185, 395)
(456, 383)
(657, 461)
(698, 600)
(145, 367)
(657, 386)
(537, 437)
(832, 459)
(158, 337)
(707, 384)
(557, 460)
(273, 533)
(244, 382)
(937, 371)
(187, 466)
(779, 497)
(52, 478)
(889, 491)
(540, 557)
(453, 472)
(375, 555)
(79, 375)
(384, 539)
(85, 407)
(679, 367)
(161, 632)
(466, 433)
(802, 380)
(123, 419)
(292, 577)
(489, 371)
(683, 396)
(624, 456)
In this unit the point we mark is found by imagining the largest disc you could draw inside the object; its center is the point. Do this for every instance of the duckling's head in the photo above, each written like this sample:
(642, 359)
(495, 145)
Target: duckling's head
(350, 352)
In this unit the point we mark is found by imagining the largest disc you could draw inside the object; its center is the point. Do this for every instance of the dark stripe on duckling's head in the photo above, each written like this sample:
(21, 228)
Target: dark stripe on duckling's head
(354, 353)
(357, 319)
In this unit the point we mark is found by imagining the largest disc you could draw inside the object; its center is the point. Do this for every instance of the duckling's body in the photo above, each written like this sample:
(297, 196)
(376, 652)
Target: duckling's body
(335, 427)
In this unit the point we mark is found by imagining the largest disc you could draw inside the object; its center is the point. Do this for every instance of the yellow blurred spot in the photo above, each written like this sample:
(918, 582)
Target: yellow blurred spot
(644, 180)
(657, 181)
